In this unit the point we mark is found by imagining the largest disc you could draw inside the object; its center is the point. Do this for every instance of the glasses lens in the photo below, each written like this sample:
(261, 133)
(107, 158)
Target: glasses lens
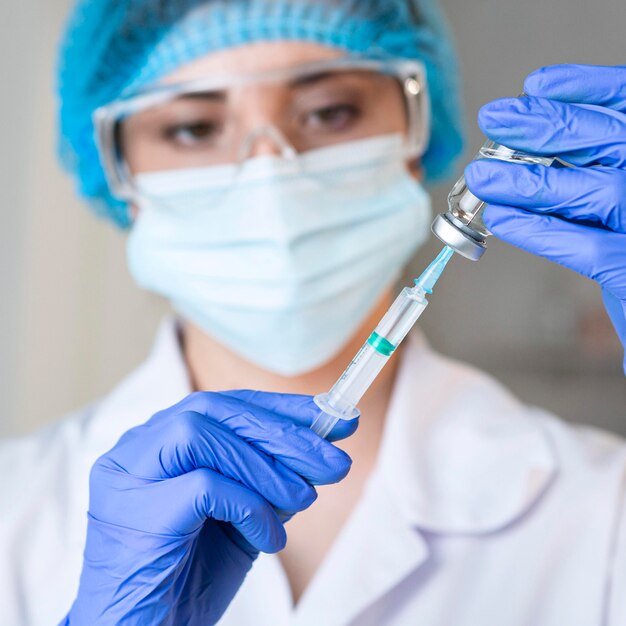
(192, 130)
(342, 106)
(221, 127)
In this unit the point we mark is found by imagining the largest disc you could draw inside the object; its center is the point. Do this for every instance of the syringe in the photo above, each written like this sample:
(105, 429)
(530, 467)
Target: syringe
(340, 403)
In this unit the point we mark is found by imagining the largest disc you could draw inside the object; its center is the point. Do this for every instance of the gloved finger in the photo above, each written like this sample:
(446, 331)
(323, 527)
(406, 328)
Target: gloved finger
(188, 441)
(284, 404)
(595, 196)
(584, 84)
(595, 253)
(581, 134)
(297, 447)
(203, 494)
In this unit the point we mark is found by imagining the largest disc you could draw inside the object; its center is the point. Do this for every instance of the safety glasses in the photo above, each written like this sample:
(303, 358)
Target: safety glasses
(218, 120)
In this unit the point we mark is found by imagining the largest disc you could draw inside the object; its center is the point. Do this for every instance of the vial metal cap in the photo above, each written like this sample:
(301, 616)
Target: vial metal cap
(460, 238)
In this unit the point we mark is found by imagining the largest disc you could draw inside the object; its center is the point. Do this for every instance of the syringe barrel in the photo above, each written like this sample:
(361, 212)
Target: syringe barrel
(462, 227)
(375, 352)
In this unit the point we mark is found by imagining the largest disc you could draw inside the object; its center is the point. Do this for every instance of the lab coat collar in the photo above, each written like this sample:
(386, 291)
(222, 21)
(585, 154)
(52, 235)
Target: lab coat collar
(361, 569)
(459, 453)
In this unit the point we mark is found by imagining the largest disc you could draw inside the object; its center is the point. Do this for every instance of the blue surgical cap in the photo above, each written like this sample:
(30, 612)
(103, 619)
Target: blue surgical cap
(113, 46)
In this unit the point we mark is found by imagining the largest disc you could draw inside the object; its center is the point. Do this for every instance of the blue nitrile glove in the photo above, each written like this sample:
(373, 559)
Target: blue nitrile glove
(576, 217)
(182, 505)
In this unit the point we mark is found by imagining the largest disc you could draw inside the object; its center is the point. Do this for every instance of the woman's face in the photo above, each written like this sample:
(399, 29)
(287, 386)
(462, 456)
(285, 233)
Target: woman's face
(314, 112)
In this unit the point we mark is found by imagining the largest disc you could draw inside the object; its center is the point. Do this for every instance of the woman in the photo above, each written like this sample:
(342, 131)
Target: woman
(268, 157)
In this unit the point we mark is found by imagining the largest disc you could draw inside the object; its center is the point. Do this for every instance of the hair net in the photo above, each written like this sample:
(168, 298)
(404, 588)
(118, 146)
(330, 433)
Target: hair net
(113, 46)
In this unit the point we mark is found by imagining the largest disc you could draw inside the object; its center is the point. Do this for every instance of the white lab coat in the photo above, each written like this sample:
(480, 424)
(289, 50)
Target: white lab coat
(480, 511)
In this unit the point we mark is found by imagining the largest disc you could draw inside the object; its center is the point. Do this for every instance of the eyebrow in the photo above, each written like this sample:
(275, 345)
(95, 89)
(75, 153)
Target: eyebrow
(301, 81)
(218, 96)
(311, 79)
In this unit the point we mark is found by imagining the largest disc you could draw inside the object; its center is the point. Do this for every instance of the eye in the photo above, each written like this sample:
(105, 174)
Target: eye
(191, 134)
(335, 117)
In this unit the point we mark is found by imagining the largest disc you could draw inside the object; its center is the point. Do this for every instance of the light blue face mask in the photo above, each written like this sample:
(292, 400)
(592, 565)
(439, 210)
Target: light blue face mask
(281, 260)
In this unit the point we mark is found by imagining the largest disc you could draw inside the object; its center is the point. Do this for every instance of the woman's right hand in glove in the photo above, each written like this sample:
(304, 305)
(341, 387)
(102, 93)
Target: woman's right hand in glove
(182, 505)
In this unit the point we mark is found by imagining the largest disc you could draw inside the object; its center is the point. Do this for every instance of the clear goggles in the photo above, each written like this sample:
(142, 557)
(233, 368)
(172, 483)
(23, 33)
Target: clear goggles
(220, 120)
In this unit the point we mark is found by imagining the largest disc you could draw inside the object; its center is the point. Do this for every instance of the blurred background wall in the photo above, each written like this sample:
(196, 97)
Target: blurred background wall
(72, 323)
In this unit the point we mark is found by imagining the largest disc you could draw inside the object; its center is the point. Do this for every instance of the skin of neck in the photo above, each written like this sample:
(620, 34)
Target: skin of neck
(213, 367)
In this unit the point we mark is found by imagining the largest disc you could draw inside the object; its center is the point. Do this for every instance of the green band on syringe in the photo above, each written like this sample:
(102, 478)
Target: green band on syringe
(380, 344)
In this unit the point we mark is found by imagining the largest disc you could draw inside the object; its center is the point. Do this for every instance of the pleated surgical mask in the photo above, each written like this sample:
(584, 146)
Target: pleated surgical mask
(281, 260)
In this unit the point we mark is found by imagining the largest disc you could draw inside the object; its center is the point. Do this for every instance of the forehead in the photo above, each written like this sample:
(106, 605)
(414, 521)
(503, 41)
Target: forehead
(254, 57)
